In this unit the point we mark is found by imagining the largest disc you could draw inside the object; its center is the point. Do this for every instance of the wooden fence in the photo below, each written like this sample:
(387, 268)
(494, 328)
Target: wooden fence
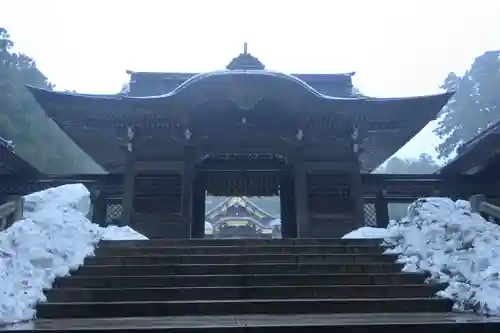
(11, 211)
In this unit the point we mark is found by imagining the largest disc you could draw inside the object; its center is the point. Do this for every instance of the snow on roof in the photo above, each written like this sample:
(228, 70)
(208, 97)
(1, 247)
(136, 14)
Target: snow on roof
(275, 222)
(259, 202)
(246, 200)
(467, 145)
(247, 219)
(217, 206)
(470, 145)
(7, 144)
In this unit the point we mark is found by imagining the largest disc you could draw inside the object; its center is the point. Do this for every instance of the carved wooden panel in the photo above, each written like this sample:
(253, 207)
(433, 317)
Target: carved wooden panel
(243, 183)
(335, 185)
(168, 185)
(331, 204)
(158, 205)
(327, 203)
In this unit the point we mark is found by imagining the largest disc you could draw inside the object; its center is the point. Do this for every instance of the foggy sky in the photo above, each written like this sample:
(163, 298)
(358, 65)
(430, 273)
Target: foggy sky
(397, 48)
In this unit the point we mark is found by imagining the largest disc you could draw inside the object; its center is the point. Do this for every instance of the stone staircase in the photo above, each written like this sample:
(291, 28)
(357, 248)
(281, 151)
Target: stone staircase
(245, 285)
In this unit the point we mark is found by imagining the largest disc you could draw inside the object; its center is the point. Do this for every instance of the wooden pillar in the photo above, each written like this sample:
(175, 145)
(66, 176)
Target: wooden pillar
(357, 195)
(128, 180)
(128, 192)
(301, 198)
(357, 190)
(188, 174)
(18, 211)
(381, 210)
(198, 224)
(287, 205)
(451, 188)
(99, 209)
(476, 201)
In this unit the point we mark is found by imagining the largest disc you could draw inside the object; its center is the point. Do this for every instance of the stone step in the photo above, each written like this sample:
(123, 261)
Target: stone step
(261, 268)
(310, 323)
(241, 259)
(178, 280)
(225, 293)
(249, 306)
(238, 242)
(254, 249)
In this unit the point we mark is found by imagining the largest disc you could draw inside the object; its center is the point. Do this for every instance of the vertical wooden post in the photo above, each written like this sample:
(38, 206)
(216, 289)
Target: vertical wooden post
(475, 204)
(198, 209)
(381, 210)
(128, 180)
(187, 195)
(18, 212)
(357, 190)
(452, 188)
(301, 197)
(99, 209)
(287, 205)
(357, 197)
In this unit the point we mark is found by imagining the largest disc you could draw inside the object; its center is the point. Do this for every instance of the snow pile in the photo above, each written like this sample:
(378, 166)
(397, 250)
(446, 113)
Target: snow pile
(120, 233)
(54, 238)
(75, 197)
(455, 246)
(367, 232)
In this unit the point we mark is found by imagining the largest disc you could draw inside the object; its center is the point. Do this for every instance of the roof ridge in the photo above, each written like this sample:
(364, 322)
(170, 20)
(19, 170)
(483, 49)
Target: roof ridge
(478, 137)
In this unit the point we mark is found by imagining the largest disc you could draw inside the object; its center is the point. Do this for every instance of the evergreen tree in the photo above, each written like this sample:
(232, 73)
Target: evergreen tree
(475, 105)
(37, 138)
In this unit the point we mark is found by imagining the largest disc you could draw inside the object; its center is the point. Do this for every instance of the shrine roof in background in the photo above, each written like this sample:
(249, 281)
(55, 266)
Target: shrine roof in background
(478, 156)
(268, 207)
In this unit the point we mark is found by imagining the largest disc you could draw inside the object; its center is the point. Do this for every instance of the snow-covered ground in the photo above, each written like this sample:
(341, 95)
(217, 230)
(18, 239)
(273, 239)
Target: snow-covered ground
(53, 239)
(454, 245)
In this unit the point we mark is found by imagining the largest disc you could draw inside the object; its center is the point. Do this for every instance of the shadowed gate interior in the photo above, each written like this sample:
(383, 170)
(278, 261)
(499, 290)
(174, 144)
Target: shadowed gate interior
(244, 174)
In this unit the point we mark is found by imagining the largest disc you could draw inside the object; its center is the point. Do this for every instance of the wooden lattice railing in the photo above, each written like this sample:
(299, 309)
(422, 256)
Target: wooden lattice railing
(11, 211)
(488, 210)
(378, 190)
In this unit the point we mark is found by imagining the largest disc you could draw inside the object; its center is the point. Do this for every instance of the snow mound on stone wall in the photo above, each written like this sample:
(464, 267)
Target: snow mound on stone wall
(53, 239)
(454, 245)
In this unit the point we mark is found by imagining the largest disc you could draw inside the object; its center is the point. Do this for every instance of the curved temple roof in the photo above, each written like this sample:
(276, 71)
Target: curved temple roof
(152, 84)
(410, 114)
(215, 77)
(225, 77)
